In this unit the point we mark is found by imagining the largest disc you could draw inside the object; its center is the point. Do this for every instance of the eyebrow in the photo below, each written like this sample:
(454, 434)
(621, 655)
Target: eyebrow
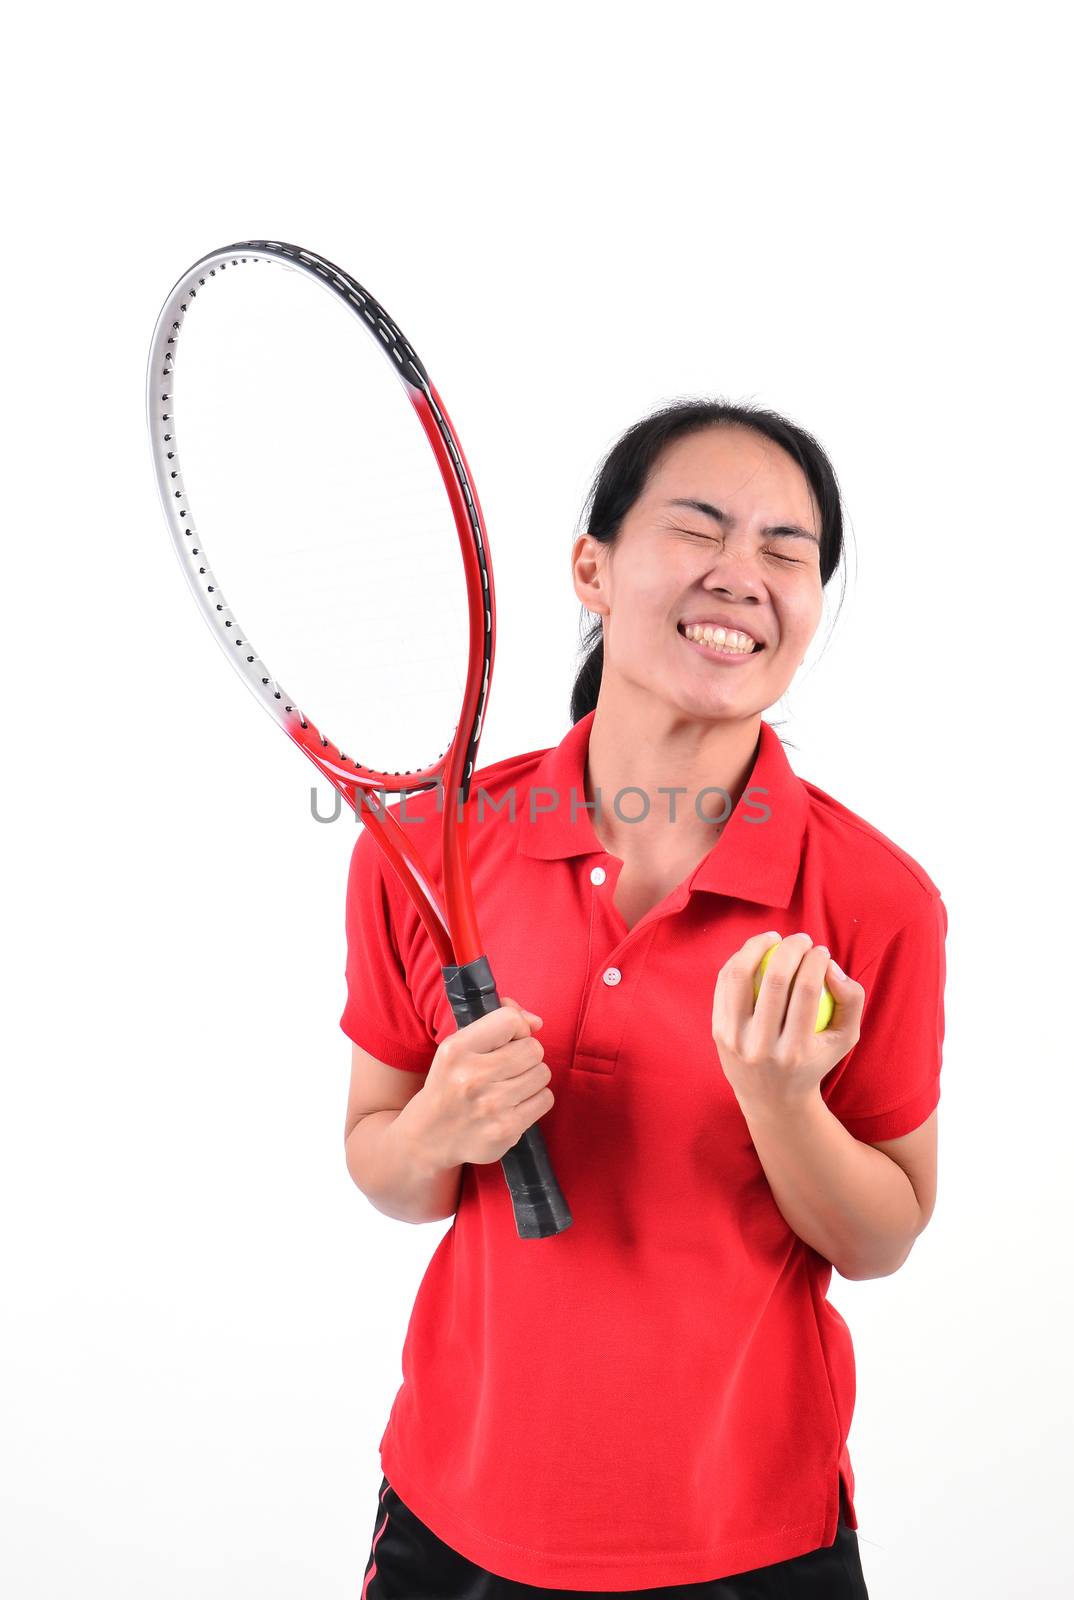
(782, 530)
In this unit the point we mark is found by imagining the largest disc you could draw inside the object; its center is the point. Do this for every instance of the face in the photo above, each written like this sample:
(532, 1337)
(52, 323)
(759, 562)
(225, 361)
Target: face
(675, 569)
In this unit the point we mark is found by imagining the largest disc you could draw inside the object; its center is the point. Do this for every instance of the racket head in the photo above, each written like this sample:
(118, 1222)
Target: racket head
(470, 615)
(539, 1208)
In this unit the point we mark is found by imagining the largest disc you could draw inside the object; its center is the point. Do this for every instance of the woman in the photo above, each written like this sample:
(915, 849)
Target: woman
(658, 1399)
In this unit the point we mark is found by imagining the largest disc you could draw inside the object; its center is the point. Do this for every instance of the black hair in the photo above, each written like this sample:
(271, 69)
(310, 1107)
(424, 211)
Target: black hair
(623, 474)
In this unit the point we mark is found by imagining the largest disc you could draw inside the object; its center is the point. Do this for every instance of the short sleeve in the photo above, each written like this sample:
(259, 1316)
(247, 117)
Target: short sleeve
(889, 1083)
(380, 1014)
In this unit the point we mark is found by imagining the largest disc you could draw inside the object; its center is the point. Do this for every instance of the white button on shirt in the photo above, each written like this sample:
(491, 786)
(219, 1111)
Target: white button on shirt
(612, 976)
(597, 875)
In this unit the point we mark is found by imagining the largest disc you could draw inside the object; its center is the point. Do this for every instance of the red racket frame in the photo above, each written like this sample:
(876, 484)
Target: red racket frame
(539, 1207)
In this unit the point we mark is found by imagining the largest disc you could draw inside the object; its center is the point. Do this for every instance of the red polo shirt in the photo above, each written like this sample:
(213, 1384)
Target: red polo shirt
(661, 1394)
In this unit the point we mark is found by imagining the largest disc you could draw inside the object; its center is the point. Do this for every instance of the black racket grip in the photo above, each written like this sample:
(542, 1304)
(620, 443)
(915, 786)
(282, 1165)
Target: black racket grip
(539, 1206)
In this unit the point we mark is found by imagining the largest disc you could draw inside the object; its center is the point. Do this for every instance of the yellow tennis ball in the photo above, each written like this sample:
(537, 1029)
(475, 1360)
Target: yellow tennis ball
(827, 1003)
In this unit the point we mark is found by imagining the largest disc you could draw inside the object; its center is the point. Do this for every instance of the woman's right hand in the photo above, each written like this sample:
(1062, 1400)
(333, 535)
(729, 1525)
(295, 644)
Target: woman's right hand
(487, 1084)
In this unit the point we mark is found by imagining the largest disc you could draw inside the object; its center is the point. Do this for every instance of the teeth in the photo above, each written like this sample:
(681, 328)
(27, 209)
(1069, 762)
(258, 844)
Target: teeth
(721, 638)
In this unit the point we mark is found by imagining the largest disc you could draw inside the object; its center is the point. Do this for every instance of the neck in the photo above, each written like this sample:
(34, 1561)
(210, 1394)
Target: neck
(653, 747)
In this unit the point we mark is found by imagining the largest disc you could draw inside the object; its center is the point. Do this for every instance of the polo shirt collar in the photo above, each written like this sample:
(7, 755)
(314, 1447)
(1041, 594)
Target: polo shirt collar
(753, 859)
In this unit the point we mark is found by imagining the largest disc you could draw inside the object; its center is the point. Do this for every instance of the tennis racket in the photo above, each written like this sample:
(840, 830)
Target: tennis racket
(280, 445)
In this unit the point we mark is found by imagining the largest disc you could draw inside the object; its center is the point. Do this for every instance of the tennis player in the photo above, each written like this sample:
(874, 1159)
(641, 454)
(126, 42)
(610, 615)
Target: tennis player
(657, 1400)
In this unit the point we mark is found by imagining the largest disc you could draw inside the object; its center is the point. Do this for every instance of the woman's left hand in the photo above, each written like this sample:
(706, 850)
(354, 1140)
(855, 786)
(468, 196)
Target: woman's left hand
(769, 1052)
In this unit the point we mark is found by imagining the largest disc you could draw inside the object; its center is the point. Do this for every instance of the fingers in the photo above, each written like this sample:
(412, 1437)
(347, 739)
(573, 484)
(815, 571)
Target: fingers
(849, 998)
(496, 1028)
(787, 995)
(807, 986)
(519, 1058)
(779, 985)
(732, 1005)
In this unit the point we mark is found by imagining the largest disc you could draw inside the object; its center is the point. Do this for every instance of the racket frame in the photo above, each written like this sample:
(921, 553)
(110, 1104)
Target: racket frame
(451, 923)
(539, 1207)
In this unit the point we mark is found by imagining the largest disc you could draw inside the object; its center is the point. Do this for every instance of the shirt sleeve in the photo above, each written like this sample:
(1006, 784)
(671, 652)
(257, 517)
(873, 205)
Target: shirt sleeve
(380, 1014)
(890, 1082)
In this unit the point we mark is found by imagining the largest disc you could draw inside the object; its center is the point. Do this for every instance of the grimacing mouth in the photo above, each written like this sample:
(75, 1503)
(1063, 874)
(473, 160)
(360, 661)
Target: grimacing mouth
(757, 648)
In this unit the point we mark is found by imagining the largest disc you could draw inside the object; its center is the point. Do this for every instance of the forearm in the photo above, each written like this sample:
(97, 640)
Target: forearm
(851, 1203)
(391, 1169)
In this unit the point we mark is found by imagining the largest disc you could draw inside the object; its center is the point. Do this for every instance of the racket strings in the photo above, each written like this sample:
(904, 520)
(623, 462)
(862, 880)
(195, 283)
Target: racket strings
(408, 594)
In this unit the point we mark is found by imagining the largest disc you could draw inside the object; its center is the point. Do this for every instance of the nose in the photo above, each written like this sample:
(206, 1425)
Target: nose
(740, 586)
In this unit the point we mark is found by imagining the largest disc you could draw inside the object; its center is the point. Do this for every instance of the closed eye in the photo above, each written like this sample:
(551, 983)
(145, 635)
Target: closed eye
(709, 538)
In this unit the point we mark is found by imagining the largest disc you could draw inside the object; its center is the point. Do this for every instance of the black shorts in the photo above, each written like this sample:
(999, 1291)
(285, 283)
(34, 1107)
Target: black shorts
(408, 1562)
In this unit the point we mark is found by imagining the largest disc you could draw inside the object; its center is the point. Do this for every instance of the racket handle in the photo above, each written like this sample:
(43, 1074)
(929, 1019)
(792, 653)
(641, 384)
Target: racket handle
(539, 1206)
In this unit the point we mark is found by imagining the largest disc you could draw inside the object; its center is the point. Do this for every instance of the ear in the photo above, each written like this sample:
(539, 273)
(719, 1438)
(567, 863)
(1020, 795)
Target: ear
(588, 558)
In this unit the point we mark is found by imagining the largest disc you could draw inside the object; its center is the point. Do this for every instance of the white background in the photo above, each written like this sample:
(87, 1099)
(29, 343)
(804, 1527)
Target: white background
(853, 214)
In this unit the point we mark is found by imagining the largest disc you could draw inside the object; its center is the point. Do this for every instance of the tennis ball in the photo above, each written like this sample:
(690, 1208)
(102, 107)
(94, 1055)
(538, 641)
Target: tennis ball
(827, 1003)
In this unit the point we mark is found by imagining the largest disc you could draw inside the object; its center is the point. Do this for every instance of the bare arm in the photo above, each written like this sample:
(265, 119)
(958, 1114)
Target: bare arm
(409, 1135)
(391, 1168)
(852, 1203)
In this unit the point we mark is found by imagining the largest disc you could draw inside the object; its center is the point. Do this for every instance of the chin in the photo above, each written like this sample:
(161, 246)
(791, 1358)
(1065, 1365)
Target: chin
(717, 704)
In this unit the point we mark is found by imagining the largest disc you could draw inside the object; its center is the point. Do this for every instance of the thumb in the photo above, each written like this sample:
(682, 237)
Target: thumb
(533, 1018)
